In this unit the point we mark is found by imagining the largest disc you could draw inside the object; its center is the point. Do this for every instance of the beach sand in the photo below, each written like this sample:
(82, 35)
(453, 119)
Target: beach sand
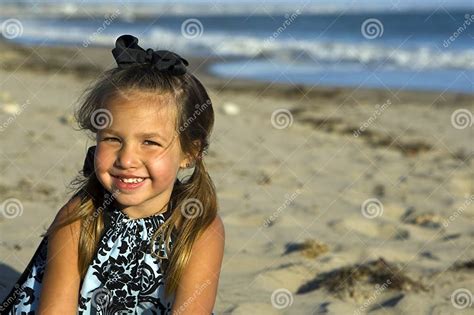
(335, 200)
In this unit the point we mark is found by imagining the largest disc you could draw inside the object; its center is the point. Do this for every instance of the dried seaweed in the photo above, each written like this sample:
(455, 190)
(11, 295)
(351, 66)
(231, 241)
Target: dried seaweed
(467, 265)
(351, 279)
(309, 248)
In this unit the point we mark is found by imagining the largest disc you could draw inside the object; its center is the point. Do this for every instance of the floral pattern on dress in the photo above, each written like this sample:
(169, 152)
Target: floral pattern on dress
(123, 278)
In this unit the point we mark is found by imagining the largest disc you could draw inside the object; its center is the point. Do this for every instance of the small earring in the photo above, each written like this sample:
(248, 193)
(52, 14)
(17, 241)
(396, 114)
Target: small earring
(187, 165)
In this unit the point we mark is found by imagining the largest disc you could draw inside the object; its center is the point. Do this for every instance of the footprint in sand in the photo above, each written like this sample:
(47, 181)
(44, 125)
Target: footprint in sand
(369, 227)
(461, 184)
(254, 308)
(290, 277)
(252, 218)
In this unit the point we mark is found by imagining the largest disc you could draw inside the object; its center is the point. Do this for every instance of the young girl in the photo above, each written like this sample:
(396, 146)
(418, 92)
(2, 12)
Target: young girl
(134, 239)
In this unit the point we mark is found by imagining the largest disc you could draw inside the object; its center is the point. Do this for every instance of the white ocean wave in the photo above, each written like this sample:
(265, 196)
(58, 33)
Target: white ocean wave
(221, 44)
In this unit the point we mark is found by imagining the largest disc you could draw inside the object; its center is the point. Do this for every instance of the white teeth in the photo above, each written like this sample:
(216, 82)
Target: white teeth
(131, 180)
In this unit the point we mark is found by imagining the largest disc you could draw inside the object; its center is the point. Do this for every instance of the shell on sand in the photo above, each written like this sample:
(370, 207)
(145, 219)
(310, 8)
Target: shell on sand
(10, 108)
(230, 109)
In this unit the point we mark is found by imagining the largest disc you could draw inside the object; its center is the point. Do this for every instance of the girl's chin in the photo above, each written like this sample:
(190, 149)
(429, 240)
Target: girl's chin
(125, 203)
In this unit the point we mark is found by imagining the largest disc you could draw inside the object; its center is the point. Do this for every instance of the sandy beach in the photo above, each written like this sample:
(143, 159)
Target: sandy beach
(335, 200)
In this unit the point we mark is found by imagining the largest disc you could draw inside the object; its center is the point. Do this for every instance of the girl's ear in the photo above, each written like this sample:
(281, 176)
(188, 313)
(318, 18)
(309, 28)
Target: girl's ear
(185, 163)
(189, 159)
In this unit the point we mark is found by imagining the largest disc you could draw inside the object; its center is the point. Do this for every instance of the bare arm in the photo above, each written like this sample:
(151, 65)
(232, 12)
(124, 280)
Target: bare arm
(196, 293)
(61, 280)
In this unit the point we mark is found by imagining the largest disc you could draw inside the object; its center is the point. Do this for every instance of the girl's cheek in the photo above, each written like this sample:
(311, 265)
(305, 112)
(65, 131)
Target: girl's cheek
(162, 169)
(103, 157)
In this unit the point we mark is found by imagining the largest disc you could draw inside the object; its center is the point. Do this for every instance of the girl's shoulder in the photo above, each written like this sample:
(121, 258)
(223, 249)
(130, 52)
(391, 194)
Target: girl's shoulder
(62, 249)
(66, 210)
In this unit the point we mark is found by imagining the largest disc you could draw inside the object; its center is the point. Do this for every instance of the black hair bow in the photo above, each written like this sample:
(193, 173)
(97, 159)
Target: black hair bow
(127, 53)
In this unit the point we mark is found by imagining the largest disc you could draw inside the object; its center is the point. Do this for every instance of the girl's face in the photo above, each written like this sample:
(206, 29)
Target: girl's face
(138, 154)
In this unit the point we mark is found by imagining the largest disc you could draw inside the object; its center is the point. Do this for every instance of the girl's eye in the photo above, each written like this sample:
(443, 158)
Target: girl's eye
(151, 142)
(110, 139)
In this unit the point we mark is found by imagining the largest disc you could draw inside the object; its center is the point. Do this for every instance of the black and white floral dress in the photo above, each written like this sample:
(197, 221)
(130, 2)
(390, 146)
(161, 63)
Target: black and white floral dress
(123, 278)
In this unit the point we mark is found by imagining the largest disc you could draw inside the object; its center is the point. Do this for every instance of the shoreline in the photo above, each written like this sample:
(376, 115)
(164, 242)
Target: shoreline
(53, 59)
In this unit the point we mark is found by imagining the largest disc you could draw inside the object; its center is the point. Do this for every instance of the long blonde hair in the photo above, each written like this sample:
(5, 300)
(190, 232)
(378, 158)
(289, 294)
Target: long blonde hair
(194, 121)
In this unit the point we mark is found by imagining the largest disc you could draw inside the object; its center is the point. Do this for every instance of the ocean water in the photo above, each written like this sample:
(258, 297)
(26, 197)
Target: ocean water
(431, 50)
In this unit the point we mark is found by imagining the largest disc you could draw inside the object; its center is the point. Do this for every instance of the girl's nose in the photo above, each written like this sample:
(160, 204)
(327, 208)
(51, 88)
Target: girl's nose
(127, 157)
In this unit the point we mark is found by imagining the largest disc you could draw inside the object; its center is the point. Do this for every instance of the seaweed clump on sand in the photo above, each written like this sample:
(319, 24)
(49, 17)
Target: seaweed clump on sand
(467, 265)
(309, 248)
(358, 280)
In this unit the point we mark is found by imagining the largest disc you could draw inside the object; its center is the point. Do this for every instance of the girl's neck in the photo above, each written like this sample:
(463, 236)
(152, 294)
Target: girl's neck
(138, 212)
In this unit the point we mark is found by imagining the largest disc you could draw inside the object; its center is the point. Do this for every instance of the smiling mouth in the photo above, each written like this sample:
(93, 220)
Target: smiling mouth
(134, 180)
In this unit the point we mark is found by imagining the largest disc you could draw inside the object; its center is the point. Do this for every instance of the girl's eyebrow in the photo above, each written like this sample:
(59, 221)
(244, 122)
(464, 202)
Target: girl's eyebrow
(141, 134)
(149, 135)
